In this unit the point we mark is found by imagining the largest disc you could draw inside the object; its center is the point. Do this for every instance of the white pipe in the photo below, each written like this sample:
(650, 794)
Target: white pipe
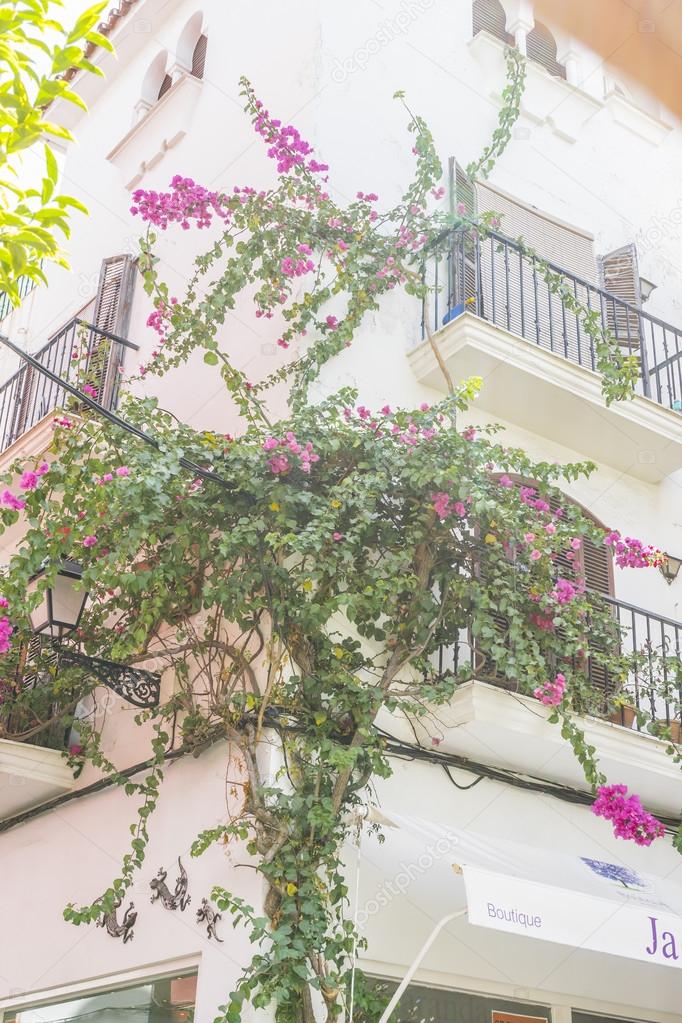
(417, 962)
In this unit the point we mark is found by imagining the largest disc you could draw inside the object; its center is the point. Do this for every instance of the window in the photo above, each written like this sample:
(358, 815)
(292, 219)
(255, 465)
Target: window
(155, 83)
(165, 86)
(199, 57)
(420, 1004)
(162, 1001)
(489, 16)
(541, 47)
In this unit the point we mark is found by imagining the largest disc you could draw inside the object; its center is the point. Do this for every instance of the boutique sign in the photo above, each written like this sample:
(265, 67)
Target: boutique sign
(617, 916)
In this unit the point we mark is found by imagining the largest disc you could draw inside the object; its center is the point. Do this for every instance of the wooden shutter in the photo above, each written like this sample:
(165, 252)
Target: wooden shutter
(112, 314)
(199, 56)
(165, 86)
(619, 275)
(463, 257)
(559, 243)
(541, 47)
(489, 16)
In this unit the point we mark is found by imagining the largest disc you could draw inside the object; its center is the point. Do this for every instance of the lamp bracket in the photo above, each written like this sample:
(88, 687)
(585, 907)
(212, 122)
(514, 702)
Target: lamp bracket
(135, 685)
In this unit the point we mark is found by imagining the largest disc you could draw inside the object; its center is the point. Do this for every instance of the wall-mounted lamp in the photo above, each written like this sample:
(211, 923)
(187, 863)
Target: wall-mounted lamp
(670, 568)
(645, 288)
(57, 617)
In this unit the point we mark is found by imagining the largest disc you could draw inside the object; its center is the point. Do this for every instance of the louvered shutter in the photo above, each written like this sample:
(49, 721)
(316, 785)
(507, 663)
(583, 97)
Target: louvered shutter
(593, 561)
(489, 16)
(541, 47)
(566, 246)
(514, 294)
(112, 314)
(199, 56)
(165, 86)
(462, 286)
(619, 276)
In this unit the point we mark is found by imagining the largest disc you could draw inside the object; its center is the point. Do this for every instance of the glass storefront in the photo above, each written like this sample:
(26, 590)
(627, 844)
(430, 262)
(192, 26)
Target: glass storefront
(161, 1001)
(428, 1005)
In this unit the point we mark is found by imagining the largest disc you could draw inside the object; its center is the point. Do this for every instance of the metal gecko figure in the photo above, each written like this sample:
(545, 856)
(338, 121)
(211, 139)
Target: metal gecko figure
(116, 929)
(208, 915)
(179, 899)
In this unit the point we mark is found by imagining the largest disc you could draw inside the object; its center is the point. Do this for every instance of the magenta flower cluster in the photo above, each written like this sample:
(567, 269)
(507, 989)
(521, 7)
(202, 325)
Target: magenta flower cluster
(629, 818)
(280, 461)
(6, 629)
(632, 553)
(285, 144)
(444, 506)
(186, 202)
(551, 693)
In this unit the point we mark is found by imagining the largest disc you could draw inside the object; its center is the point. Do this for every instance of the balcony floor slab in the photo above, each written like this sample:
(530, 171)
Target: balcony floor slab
(554, 397)
(30, 775)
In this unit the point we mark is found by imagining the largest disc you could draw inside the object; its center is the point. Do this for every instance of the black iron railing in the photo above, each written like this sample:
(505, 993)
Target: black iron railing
(650, 645)
(24, 286)
(493, 278)
(80, 354)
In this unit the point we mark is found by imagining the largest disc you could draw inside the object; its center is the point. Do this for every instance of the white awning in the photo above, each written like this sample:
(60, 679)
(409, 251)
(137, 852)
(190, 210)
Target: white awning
(578, 901)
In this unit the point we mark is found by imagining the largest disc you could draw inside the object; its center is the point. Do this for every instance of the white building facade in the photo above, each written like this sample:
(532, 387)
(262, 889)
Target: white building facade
(590, 179)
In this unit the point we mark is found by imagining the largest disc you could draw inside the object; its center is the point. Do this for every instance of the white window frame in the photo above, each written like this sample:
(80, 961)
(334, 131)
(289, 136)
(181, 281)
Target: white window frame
(148, 974)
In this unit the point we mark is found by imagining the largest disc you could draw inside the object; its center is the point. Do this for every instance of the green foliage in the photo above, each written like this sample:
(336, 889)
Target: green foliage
(314, 588)
(35, 52)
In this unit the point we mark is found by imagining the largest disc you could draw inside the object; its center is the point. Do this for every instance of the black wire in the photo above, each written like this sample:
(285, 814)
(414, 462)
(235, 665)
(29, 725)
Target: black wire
(462, 788)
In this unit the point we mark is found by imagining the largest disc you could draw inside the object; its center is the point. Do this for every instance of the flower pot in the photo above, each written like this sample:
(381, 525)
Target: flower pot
(674, 726)
(453, 313)
(624, 716)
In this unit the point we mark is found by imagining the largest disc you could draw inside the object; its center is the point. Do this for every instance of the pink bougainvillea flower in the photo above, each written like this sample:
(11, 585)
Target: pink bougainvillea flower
(506, 481)
(551, 693)
(629, 818)
(535, 555)
(90, 390)
(29, 480)
(6, 631)
(123, 470)
(337, 536)
(11, 501)
(89, 541)
(332, 322)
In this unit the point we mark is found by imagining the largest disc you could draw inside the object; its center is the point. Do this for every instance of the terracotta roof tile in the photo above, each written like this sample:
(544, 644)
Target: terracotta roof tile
(106, 28)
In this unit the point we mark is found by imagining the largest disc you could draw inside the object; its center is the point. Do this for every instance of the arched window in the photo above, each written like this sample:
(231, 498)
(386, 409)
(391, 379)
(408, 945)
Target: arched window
(165, 86)
(489, 15)
(191, 48)
(541, 47)
(156, 81)
(199, 56)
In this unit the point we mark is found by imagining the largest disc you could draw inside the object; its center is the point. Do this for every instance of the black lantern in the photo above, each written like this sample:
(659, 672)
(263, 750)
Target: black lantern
(62, 602)
(670, 568)
(58, 614)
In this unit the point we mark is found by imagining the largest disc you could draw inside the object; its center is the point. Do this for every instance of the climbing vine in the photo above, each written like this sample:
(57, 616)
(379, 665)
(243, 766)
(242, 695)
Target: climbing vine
(301, 578)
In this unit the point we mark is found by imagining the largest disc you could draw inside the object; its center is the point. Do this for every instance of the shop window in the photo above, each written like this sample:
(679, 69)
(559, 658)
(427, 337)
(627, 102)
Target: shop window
(420, 1004)
(162, 1001)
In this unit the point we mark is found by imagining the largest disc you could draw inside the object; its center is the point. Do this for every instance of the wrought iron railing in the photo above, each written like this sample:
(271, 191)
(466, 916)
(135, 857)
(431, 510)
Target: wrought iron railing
(651, 648)
(79, 353)
(25, 285)
(492, 277)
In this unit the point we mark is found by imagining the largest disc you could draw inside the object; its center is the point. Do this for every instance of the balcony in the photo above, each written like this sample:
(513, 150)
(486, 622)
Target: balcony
(79, 352)
(493, 315)
(487, 720)
(32, 738)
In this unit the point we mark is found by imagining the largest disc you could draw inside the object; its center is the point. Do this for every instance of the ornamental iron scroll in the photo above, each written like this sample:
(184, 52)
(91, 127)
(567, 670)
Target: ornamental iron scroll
(135, 685)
